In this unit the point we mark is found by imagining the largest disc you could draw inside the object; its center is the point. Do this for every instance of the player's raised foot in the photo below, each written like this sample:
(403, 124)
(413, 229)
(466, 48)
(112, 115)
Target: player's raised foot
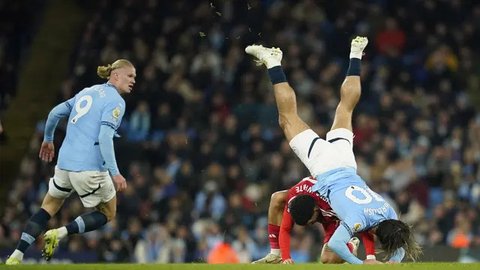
(270, 258)
(355, 242)
(51, 243)
(13, 261)
(269, 57)
(357, 47)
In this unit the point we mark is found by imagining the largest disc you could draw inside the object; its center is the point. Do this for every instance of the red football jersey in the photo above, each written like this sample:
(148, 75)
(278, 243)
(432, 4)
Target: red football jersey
(329, 219)
(304, 187)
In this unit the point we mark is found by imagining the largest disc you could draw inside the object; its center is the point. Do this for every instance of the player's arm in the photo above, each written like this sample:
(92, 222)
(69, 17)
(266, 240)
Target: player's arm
(369, 243)
(58, 112)
(397, 256)
(105, 141)
(284, 235)
(111, 119)
(338, 243)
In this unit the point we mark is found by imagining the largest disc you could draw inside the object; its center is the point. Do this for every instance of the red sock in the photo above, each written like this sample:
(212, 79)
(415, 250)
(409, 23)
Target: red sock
(273, 232)
(350, 246)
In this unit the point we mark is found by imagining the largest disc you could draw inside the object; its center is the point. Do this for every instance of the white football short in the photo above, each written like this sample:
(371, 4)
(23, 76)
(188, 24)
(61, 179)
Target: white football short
(93, 187)
(321, 155)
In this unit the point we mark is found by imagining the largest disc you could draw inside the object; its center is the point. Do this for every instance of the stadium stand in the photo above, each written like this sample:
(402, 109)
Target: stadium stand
(201, 145)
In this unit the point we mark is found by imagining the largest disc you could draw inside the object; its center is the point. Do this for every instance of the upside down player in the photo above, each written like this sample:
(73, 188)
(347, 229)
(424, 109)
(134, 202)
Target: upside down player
(333, 164)
(281, 224)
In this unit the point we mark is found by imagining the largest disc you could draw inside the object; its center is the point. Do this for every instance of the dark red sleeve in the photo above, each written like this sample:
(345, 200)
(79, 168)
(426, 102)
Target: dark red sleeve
(284, 237)
(368, 242)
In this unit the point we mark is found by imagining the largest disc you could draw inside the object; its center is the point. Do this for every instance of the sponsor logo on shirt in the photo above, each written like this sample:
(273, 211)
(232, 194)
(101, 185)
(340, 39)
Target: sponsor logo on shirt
(377, 211)
(116, 113)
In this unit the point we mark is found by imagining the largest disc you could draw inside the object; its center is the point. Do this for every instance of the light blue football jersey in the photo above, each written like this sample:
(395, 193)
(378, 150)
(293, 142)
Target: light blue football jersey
(356, 205)
(92, 107)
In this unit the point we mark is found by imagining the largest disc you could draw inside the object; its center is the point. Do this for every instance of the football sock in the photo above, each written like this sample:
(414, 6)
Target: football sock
(35, 226)
(86, 223)
(277, 75)
(354, 67)
(62, 232)
(17, 254)
(273, 233)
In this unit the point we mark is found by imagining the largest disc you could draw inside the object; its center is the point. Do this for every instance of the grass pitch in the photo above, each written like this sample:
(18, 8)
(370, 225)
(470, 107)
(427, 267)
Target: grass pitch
(313, 266)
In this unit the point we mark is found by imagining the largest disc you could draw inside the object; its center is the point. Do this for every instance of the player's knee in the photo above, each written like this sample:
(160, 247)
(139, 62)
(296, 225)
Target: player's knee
(325, 258)
(329, 258)
(52, 204)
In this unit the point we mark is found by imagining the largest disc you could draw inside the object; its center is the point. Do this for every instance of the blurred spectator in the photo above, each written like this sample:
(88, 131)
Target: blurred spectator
(222, 253)
(391, 40)
(156, 246)
(209, 203)
(461, 235)
(139, 123)
(243, 245)
(202, 143)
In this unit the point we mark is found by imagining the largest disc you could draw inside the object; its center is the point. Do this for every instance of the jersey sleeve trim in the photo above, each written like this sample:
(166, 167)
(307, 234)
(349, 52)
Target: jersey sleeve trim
(349, 230)
(106, 123)
(69, 106)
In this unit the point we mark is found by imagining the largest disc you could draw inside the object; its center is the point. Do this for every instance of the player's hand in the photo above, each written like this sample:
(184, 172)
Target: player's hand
(288, 261)
(120, 182)
(47, 151)
(371, 261)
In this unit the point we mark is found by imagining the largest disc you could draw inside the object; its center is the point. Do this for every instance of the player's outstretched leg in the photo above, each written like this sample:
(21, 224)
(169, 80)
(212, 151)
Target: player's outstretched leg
(34, 227)
(82, 224)
(351, 89)
(285, 98)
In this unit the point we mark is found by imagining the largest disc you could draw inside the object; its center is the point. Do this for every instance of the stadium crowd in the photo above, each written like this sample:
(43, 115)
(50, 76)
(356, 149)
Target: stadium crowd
(201, 148)
(17, 26)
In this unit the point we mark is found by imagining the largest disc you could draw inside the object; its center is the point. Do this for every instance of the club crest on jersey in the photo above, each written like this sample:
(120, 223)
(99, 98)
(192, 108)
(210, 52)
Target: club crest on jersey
(357, 227)
(116, 113)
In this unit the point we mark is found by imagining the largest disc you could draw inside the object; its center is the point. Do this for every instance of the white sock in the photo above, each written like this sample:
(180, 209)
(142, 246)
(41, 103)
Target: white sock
(17, 254)
(272, 63)
(275, 251)
(62, 232)
(356, 55)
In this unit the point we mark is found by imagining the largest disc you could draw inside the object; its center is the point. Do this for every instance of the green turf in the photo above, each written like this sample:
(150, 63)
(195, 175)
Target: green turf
(406, 266)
